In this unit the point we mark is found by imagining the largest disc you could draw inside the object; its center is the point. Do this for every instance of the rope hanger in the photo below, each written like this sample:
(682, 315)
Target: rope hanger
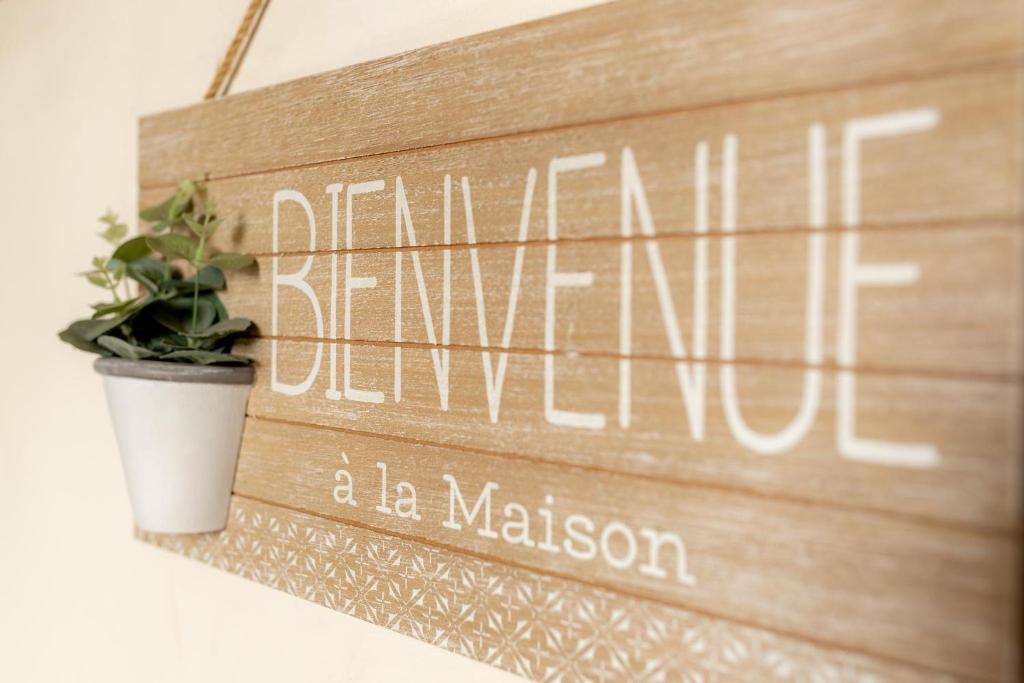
(225, 73)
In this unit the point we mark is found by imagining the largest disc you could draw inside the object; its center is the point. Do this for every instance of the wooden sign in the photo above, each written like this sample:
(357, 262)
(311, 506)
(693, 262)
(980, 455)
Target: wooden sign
(658, 341)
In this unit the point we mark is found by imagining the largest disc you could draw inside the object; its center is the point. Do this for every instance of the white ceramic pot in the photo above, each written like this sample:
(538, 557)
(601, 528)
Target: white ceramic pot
(179, 428)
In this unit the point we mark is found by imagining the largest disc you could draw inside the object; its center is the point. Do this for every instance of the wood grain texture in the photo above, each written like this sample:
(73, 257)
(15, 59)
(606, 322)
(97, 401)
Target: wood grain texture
(966, 167)
(753, 560)
(540, 627)
(954, 321)
(974, 425)
(850, 509)
(616, 60)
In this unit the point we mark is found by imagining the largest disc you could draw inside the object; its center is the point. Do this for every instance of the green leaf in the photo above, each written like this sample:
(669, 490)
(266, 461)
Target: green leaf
(232, 261)
(72, 335)
(210, 277)
(173, 318)
(218, 306)
(97, 279)
(188, 187)
(176, 314)
(174, 246)
(183, 288)
(119, 347)
(166, 343)
(118, 308)
(181, 202)
(88, 330)
(207, 313)
(195, 226)
(202, 228)
(115, 230)
(208, 283)
(212, 225)
(115, 233)
(225, 328)
(131, 250)
(205, 357)
(158, 212)
(147, 272)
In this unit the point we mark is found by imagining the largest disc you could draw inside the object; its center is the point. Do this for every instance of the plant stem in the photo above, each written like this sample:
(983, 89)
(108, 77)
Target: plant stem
(111, 286)
(195, 304)
(196, 265)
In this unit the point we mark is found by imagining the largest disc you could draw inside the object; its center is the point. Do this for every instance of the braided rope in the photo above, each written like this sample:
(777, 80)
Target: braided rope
(236, 50)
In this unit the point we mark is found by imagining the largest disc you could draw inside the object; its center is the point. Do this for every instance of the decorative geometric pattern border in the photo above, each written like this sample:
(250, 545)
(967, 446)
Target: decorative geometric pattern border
(540, 627)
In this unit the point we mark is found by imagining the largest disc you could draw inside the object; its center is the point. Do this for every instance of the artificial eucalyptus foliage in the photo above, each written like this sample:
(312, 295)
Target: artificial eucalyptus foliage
(163, 315)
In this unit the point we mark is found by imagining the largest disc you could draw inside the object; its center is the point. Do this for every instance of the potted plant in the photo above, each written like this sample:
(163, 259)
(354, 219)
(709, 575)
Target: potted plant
(175, 391)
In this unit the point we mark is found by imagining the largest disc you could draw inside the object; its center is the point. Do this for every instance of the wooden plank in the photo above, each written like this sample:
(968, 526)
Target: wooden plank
(610, 61)
(964, 165)
(972, 426)
(537, 626)
(900, 587)
(962, 316)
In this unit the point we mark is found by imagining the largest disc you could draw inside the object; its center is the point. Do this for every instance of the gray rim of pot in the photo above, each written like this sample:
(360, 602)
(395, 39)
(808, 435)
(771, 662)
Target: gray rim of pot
(167, 371)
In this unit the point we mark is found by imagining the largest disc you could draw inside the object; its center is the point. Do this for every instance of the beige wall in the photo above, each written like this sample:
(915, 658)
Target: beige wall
(79, 600)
